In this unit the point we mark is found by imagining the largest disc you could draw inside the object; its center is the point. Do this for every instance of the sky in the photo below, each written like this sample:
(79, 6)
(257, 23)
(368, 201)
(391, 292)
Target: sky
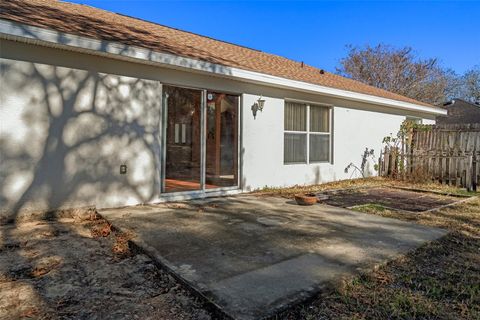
(317, 32)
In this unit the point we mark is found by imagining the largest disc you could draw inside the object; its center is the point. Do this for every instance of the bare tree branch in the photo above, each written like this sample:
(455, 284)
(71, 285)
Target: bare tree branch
(396, 70)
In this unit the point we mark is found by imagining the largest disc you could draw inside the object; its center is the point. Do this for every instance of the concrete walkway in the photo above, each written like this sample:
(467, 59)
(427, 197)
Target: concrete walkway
(254, 256)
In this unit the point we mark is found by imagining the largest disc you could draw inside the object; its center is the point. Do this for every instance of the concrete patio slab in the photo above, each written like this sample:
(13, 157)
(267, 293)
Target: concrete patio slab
(254, 256)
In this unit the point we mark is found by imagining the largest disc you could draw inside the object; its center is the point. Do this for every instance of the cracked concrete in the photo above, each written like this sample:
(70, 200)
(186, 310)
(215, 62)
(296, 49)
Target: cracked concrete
(254, 256)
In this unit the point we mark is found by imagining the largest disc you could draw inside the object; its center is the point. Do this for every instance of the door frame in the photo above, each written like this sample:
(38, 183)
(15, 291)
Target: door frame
(203, 126)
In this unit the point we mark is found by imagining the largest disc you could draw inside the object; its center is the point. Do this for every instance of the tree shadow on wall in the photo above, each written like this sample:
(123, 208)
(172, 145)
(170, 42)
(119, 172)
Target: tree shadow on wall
(68, 132)
(63, 135)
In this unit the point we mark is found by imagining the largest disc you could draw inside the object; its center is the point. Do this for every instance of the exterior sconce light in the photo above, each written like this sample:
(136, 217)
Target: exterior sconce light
(258, 105)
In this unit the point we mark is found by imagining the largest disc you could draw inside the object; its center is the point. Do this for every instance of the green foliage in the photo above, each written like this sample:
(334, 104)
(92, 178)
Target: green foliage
(404, 134)
(368, 153)
(369, 208)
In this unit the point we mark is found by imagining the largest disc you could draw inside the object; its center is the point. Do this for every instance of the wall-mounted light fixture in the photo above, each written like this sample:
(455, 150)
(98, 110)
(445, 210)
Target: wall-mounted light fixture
(258, 105)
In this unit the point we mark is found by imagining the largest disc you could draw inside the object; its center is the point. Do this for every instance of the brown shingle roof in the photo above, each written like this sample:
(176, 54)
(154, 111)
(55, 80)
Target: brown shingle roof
(99, 24)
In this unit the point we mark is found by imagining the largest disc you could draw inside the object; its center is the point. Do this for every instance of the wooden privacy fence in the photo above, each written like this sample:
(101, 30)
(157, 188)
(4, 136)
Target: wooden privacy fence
(448, 154)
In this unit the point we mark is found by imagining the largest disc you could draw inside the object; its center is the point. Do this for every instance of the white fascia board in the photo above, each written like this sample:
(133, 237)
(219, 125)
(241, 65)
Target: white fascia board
(20, 32)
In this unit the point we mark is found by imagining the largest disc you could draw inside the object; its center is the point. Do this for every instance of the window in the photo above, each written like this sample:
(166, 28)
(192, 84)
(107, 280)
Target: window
(307, 136)
(319, 146)
(295, 141)
(414, 120)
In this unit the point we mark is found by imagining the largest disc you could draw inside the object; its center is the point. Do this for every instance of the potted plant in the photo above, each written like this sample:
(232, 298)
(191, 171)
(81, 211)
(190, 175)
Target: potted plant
(306, 199)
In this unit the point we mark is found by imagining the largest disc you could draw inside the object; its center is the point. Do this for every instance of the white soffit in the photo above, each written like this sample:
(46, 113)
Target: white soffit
(19, 32)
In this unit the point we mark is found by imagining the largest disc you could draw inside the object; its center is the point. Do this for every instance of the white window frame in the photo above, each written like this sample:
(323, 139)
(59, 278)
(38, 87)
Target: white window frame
(415, 120)
(308, 132)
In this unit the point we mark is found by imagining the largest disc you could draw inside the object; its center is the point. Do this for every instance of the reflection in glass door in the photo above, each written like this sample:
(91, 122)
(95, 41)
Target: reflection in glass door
(200, 140)
(182, 120)
(221, 140)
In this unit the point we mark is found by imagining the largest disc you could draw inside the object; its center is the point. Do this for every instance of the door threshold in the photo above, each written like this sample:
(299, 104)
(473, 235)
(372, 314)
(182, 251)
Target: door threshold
(189, 195)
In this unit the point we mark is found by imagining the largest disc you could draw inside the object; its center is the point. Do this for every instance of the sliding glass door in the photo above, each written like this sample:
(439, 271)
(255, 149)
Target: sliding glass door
(182, 112)
(221, 140)
(200, 140)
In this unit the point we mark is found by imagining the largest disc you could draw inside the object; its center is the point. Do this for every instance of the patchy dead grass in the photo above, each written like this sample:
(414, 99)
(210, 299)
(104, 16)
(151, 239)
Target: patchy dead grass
(362, 183)
(344, 184)
(101, 228)
(45, 266)
(121, 246)
(440, 280)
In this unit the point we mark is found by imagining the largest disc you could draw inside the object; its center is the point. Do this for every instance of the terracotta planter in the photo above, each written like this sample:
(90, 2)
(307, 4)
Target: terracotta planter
(307, 199)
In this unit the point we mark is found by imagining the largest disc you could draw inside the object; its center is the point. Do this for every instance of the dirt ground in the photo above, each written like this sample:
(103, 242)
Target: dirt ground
(70, 269)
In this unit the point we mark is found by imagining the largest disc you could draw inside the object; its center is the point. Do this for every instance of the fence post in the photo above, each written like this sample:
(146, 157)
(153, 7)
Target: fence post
(475, 165)
(387, 162)
(380, 174)
(470, 173)
(447, 153)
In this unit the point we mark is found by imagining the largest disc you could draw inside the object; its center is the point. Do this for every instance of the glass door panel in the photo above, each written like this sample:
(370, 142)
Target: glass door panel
(182, 120)
(221, 144)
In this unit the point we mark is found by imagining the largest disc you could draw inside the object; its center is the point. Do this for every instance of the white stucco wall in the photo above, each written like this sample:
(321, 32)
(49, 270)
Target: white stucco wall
(65, 132)
(68, 120)
(353, 131)
(428, 121)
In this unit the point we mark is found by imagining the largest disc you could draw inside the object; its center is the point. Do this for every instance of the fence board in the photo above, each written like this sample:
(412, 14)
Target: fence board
(448, 154)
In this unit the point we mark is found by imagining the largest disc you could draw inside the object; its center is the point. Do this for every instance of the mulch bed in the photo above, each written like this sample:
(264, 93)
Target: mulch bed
(390, 198)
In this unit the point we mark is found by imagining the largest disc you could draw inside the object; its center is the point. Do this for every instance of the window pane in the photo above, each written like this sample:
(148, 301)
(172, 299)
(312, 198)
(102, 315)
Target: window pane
(221, 140)
(319, 147)
(295, 117)
(319, 119)
(182, 167)
(414, 120)
(295, 148)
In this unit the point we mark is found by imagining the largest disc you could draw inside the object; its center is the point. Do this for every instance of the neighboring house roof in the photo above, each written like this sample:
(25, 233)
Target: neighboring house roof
(460, 112)
(86, 21)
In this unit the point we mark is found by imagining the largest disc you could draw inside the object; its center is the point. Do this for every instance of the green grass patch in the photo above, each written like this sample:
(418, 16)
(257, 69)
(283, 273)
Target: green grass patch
(370, 208)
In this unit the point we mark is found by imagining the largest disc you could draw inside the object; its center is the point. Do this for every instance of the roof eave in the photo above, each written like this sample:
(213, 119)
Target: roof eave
(20, 32)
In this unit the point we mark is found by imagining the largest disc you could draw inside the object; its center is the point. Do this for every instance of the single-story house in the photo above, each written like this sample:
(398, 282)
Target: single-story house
(460, 112)
(103, 109)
